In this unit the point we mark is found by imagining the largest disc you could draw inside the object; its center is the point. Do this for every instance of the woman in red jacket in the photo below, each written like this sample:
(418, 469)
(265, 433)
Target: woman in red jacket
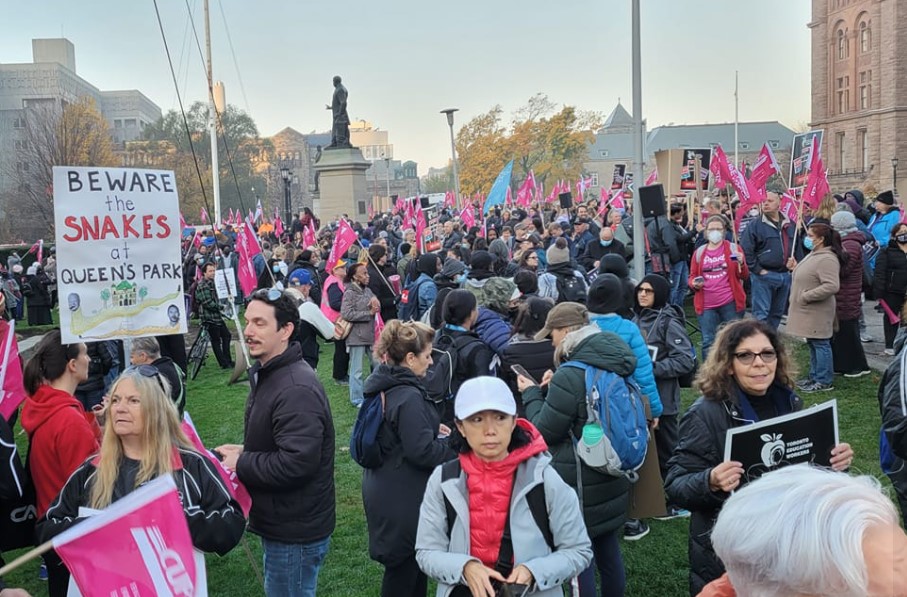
(61, 434)
(717, 271)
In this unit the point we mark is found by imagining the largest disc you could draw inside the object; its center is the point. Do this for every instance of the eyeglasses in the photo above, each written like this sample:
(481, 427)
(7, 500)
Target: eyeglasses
(149, 371)
(645, 291)
(748, 358)
(268, 294)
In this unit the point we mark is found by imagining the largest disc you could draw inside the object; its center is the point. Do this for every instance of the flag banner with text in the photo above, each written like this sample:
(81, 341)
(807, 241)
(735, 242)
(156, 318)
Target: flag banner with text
(138, 546)
(617, 176)
(688, 175)
(807, 436)
(765, 167)
(119, 268)
(801, 157)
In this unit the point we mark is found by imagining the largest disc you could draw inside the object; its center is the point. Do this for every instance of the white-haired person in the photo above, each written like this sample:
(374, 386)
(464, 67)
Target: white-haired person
(499, 513)
(831, 535)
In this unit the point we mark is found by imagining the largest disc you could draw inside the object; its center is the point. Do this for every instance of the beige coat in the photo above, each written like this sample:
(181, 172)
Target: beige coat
(814, 283)
(354, 309)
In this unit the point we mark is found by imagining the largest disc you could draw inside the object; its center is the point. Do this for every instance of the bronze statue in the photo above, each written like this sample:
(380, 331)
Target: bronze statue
(340, 132)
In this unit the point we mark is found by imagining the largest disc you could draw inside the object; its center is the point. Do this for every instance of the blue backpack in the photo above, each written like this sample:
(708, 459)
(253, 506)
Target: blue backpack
(364, 447)
(409, 300)
(616, 406)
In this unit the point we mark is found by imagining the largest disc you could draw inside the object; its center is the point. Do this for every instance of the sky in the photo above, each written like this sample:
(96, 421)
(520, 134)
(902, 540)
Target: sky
(405, 60)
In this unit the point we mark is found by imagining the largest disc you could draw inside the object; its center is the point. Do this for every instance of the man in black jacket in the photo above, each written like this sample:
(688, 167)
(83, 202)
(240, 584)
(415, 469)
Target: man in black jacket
(147, 351)
(606, 245)
(287, 458)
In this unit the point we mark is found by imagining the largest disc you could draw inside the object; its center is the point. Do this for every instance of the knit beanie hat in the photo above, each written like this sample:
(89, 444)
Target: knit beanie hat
(886, 197)
(482, 260)
(458, 304)
(606, 294)
(452, 268)
(558, 252)
(427, 264)
(843, 221)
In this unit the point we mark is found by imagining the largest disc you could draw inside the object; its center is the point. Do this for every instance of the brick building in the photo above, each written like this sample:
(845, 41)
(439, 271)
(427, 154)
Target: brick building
(859, 80)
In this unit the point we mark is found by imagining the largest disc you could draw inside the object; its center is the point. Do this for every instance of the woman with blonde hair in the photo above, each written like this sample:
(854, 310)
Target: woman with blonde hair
(142, 441)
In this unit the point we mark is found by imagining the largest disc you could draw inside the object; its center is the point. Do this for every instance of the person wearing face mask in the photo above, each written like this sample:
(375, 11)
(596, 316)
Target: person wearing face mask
(889, 282)
(815, 282)
(606, 245)
(717, 272)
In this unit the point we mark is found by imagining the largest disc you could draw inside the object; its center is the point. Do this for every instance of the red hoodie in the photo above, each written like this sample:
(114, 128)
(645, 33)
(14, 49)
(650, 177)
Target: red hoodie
(490, 485)
(61, 435)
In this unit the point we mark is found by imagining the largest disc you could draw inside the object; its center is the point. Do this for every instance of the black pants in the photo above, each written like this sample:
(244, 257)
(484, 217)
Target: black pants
(341, 360)
(405, 580)
(847, 349)
(895, 303)
(666, 437)
(174, 346)
(57, 575)
(220, 342)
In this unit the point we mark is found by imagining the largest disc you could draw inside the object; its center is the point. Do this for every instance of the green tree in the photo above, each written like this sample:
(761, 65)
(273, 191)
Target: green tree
(105, 296)
(441, 182)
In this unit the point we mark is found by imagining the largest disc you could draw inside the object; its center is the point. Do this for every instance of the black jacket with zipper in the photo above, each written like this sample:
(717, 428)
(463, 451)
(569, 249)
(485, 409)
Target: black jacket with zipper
(287, 462)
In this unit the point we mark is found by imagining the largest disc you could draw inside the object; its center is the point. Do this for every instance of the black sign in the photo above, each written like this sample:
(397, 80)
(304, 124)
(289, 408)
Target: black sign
(807, 436)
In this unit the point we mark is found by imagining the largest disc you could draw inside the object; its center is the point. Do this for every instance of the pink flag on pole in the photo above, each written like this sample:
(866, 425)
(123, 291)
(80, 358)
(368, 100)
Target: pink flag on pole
(231, 481)
(278, 226)
(603, 200)
(765, 167)
(308, 235)
(817, 182)
(246, 248)
(400, 203)
(344, 239)
(182, 222)
(139, 545)
(717, 166)
(652, 178)
(617, 200)
(12, 389)
(789, 206)
(421, 224)
(508, 200)
(204, 215)
(468, 217)
(40, 251)
(408, 215)
(370, 211)
(524, 193)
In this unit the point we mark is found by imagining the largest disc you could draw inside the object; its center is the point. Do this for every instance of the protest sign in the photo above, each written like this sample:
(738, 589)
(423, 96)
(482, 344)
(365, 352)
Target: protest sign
(119, 268)
(225, 283)
(801, 157)
(688, 169)
(807, 436)
(617, 177)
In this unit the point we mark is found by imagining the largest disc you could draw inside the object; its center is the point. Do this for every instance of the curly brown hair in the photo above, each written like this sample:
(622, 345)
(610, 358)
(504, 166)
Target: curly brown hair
(713, 379)
(399, 338)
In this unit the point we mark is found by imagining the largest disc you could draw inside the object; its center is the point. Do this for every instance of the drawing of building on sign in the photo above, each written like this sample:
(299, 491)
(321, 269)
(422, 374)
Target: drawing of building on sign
(123, 294)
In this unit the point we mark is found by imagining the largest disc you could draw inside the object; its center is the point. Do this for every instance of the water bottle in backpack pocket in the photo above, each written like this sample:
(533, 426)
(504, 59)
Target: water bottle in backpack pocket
(616, 435)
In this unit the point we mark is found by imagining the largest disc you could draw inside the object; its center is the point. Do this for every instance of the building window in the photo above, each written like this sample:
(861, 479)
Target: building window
(21, 144)
(864, 97)
(842, 44)
(863, 148)
(841, 154)
(594, 176)
(130, 122)
(744, 145)
(603, 153)
(19, 123)
(117, 123)
(843, 94)
(865, 37)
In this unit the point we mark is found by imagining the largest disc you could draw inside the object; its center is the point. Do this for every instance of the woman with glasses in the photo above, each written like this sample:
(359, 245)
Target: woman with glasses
(746, 379)
(142, 441)
(359, 307)
(717, 272)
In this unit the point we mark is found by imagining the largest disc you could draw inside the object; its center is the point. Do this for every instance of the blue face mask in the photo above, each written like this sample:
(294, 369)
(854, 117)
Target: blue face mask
(808, 243)
(606, 243)
(460, 278)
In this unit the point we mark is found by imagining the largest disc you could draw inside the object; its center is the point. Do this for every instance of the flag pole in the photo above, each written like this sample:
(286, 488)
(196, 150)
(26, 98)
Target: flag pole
(27, 556)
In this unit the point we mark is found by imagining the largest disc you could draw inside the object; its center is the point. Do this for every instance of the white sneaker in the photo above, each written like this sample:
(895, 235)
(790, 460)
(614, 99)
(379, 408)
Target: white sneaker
(866, 338)
(889, 352)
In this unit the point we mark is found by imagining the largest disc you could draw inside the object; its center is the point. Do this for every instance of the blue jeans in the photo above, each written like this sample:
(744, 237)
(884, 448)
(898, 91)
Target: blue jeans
(357, 353)
(291, 569)
(680, 273)
(712, 319)
(770, 292)
(821, 361)
(610, 564)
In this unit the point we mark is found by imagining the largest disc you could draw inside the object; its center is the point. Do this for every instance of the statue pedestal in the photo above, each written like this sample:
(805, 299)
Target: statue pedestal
(342, 185)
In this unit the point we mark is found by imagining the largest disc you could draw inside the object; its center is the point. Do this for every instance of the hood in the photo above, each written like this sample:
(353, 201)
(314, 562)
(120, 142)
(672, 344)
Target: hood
(564, 268)
(385, 377)
(427, 264)
(44, 404)
(606, 295)
(479, 276)
(600, 349)
(660, 285)
(614, 264)
(857, 196)
(472, 464)
(671, 311)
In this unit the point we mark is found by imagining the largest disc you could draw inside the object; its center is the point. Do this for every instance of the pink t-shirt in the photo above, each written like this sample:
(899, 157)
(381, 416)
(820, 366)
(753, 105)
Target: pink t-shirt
(717, 290)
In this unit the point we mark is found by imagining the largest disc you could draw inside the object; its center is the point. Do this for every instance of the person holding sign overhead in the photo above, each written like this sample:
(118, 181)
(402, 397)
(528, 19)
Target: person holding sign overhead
(747, 378)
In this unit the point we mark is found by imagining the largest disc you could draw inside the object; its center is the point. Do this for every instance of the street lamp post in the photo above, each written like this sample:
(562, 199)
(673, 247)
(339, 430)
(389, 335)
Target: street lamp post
(453, 150)
(387, 175)
(287, 177)
(894, 171)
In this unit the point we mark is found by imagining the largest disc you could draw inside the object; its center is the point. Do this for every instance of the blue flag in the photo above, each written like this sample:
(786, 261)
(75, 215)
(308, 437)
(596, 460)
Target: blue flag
(499, 189)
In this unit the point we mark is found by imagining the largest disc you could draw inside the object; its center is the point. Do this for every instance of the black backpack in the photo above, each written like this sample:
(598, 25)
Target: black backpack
(444, 375)
(570, 289)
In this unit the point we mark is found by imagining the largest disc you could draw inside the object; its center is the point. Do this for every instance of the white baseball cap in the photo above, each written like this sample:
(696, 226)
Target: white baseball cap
(483, 393)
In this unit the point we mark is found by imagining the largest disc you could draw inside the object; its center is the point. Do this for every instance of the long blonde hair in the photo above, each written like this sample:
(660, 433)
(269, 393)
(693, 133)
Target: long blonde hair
(161, 434)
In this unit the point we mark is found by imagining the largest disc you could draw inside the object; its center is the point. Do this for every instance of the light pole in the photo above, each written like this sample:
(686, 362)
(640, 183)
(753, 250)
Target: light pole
(287, 177)
(387, 175)
(894, 172)
(453, 151)
(638, 147)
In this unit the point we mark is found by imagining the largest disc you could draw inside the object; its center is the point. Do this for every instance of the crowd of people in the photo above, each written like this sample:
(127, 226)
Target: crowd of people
(479, 345)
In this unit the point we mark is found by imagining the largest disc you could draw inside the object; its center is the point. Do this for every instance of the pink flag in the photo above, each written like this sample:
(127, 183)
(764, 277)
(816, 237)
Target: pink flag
(139, 545)
(817, 182)
(231, 481)
(246, 248)
(230, 216)
(603, 201)
(717, 167)
(789, 206)
(766, 166)
(421, 224)
(399, 204)
(468, 217)
(308, 235)
(197, 239)
(508, 200)
(204, 215)
(617, 200)
(524, 193)
(370, 211)
(652, 178)
(40, 251)
(34, 247)
(182, 223)
(450, 199)
(278, 226)
(344, 239)
(408, 215)
(12, 390)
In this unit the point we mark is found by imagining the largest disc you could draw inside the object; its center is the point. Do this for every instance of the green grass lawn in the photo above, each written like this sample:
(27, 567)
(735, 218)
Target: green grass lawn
(656, 565)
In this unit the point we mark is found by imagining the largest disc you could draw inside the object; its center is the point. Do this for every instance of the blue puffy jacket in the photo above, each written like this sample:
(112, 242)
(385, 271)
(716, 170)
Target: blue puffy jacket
(494, 330)
(629, 333)
(428, 292)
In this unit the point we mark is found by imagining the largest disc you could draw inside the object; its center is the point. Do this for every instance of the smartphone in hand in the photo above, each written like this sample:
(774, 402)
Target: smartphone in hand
(520, 370)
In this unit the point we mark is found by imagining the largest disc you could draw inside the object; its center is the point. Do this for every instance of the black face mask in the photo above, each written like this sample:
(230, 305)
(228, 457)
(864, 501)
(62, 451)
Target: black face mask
(901, 238)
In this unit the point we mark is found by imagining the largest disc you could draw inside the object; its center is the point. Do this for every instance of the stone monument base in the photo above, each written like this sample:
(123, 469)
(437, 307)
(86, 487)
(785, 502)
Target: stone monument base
(342, 186)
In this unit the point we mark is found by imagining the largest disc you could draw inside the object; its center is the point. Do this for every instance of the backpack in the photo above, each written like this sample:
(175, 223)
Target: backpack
(616, 407)
(570, 289)
(535, 498)
(441, 379)
(17, 508)
(409, 301)
(364, 447)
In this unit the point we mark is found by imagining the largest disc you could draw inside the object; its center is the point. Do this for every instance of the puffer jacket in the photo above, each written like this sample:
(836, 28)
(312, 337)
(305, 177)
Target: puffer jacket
(493, 329)
(890, 275)
(703, 430)
(561, 414)
(848, 302)
(893, 406)
(355, 310)
(442, 554)
(536, 356)
(880, 225)
(411, 450)
(629, 333)
(665, 328)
